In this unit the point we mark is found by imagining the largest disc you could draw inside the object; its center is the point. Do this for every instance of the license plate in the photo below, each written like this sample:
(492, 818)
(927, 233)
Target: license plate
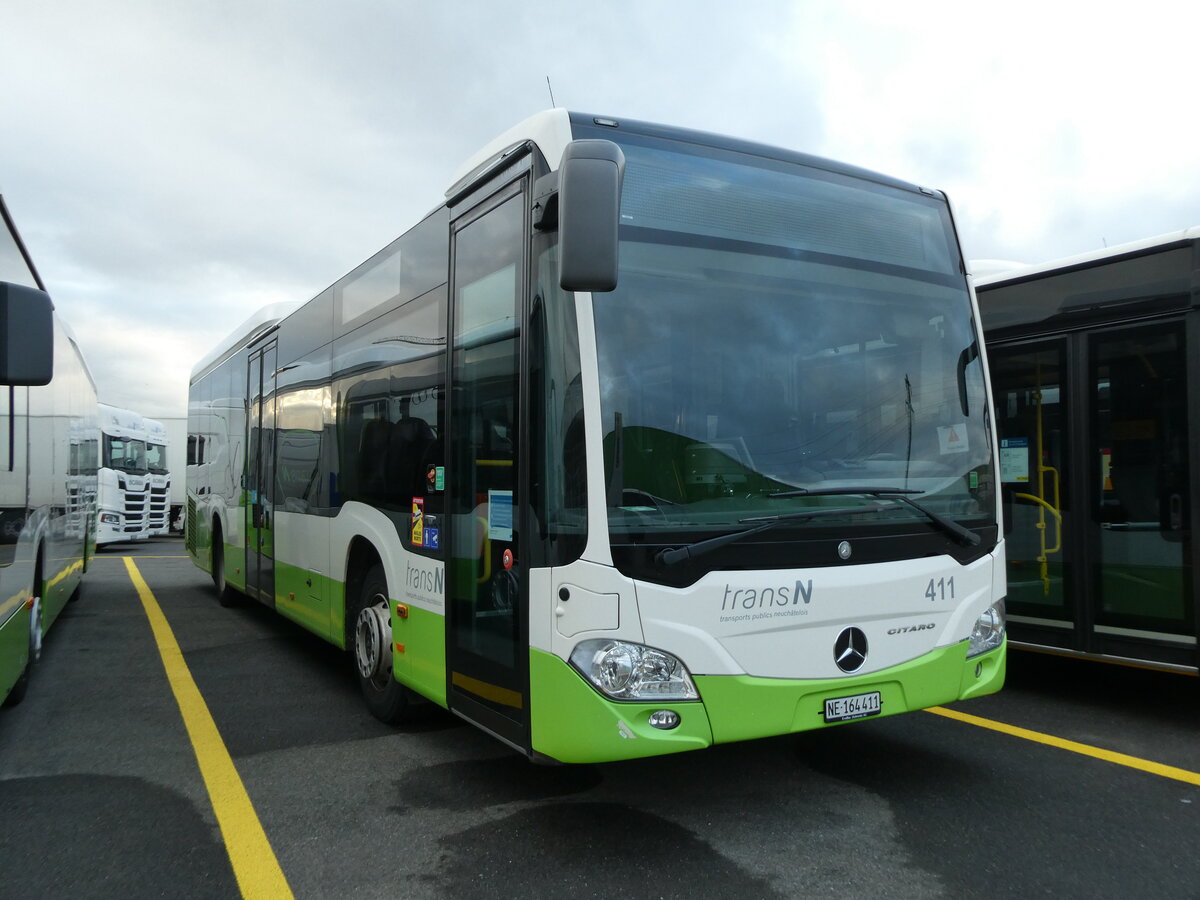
(858, 706)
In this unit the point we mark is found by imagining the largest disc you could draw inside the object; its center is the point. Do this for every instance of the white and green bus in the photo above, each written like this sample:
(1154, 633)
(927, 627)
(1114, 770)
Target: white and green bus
(47, 486)
(643, 440)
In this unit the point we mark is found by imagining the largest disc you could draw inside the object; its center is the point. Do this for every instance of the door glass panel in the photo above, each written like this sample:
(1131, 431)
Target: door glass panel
(482, 478)
(12, 463)
(1140, 479)
(260, 474)
(253, 456)
(1031, 418)
(266, 555)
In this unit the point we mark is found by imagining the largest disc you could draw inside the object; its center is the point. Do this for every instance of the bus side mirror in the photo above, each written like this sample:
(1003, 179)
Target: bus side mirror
(589, 210)
(26, 335)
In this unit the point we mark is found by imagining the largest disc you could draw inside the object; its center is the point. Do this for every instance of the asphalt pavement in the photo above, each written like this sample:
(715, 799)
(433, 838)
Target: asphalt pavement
(102, 794)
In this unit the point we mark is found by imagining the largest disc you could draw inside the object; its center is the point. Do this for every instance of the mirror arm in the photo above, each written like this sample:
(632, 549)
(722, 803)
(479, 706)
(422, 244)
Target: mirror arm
(545, 203)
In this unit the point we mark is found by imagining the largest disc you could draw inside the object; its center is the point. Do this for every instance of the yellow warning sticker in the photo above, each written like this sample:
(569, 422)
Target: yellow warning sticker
(418, 522)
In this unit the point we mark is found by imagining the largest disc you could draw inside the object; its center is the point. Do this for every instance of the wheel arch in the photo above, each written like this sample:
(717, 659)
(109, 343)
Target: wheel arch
(215, 530)
(359, 536)
(361, 555)
(220, 519)
(39, 566)
(37, 620)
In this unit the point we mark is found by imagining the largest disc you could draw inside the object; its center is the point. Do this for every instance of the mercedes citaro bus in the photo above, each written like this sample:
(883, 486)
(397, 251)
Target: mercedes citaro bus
(642, 440)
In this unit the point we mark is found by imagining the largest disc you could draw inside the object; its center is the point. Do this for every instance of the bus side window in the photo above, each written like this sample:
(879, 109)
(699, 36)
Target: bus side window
(372, 458)
(410, 452)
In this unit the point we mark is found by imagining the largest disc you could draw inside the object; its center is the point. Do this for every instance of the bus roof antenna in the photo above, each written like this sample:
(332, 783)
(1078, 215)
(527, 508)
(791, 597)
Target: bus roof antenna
(551, 90)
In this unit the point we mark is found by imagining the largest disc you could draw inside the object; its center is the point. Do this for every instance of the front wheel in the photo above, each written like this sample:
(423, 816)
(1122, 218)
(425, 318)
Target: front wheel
(226, 595)
(371, 649)
(17, 694)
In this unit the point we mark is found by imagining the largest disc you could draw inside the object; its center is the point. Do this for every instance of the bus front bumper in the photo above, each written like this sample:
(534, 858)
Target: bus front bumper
(573, 723)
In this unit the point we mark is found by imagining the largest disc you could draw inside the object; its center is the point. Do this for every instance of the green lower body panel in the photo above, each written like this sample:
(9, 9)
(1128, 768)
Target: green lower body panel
(571, 722)
(14, 649)
(419, 660)
(57, 590)
(235, 566)
(304, 597)
(742, 707)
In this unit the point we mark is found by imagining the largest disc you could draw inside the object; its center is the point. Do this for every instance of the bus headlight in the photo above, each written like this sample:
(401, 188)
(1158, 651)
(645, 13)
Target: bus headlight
(626, 671)
(988, 633)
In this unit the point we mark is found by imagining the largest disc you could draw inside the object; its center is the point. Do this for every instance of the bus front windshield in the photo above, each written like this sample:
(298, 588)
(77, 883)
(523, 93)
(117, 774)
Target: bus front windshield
(780, 334)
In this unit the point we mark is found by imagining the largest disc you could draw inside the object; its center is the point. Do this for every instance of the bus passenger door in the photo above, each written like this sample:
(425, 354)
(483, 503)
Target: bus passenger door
(1140, 492)
(487, 620)
(1094, 465)
(1031, 390)
(260, 475)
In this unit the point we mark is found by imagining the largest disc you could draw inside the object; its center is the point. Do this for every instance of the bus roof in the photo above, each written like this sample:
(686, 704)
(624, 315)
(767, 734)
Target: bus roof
(1091, 258)
(258, 322)
(549, 129)
(552, 130)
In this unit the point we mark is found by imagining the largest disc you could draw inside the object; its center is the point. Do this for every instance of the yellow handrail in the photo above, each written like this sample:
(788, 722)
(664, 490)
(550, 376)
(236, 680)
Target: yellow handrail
(1040, 497)
(1042, 524)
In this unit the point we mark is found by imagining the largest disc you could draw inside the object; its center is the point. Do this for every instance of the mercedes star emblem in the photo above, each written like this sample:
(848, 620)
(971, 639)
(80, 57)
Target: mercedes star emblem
(850, 649)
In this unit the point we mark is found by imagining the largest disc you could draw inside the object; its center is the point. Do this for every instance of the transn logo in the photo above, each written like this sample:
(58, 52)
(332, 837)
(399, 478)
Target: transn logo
(762, 598)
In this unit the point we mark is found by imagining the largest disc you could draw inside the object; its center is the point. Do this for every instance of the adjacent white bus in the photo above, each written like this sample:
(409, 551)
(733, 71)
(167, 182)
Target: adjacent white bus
(643, 440)
(1096, 373)
(47, 478)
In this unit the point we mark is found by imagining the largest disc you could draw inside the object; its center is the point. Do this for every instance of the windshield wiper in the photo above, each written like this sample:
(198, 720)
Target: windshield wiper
(699, 548)
(968, 356)
(898, 495)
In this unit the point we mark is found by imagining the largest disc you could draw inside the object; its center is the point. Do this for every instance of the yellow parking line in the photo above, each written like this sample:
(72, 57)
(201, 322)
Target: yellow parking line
(140, 556)
(1120, 759)
(254, 864)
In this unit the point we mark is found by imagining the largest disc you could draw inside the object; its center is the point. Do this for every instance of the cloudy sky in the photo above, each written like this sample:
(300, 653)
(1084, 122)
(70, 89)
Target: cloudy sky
(175, 164)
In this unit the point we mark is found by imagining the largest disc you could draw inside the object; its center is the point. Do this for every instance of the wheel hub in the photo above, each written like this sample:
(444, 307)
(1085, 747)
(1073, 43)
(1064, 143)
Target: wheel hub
(373, 641)
(35, 630)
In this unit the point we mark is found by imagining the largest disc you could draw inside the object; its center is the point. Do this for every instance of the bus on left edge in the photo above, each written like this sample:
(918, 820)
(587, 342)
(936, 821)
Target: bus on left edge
(47, 463)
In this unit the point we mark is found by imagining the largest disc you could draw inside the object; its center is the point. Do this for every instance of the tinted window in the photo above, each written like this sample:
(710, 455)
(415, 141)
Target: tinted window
(1048, 298)
(410, 266)
(390, 381)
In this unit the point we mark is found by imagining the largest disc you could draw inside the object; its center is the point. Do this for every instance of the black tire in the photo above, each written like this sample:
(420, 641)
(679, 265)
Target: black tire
(370, 644)
(226, 595)
(17, 694)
